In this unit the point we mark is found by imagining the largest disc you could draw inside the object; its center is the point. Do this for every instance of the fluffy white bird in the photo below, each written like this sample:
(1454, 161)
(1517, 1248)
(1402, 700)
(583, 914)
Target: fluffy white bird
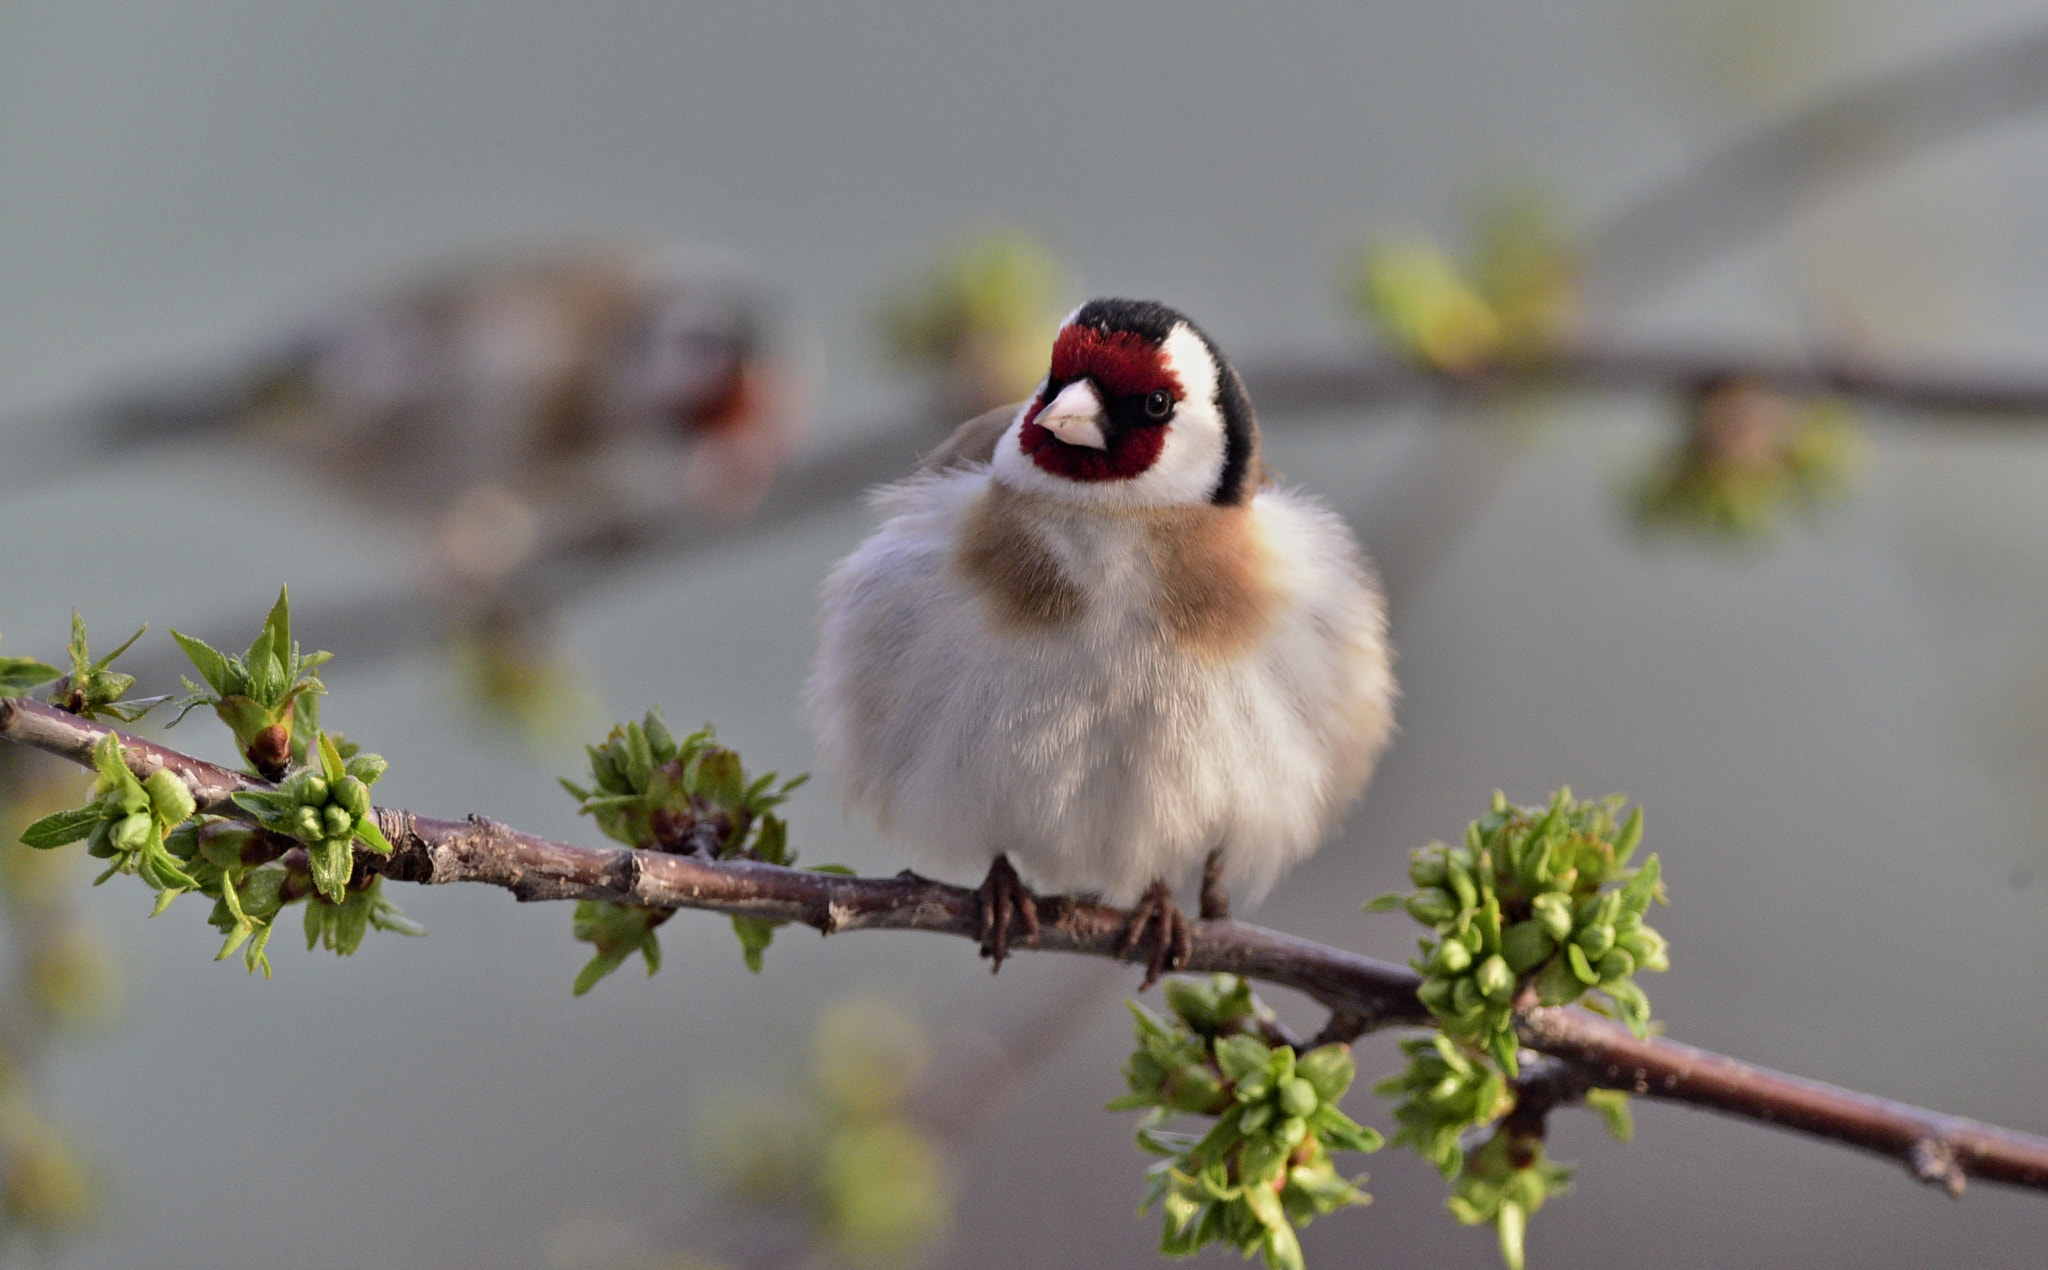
(1091, 646)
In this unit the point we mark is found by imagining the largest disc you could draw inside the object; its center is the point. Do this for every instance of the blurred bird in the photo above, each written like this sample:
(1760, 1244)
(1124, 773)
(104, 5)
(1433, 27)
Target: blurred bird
(1091, 643)
(517, 410)
(521, 399)
(526, 373)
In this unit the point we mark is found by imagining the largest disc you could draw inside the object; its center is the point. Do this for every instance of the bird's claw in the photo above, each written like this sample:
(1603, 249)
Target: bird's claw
(1172, 943)
(1004, 897)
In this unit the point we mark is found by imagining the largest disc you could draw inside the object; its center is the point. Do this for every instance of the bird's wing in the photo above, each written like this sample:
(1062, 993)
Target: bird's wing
(972, 442)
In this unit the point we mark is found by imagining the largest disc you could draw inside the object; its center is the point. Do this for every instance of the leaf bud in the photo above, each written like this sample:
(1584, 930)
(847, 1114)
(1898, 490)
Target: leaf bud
(1427, 868)
(1452, 958)
(1194, 1088)
(1462, 885)
(131, 832)
(1582, 969)
(1616, 964)
(1646, 946)
(352, 796)
(170, 796)
(1431, 906)
(1494, 980)
(1466, 998)
(1526, 945)
(270, 751)
(313, 789)
(336, 822)
(1435, 994)
(1290, 1132)
(1297, 1096)
(306, 824)
(1596, 940)
(1553, 910)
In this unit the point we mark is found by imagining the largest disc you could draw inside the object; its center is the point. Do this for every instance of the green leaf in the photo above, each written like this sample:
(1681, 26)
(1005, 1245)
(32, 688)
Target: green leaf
(599, 966)
(1512, 1222)
(108, 660)
(1384, 903)
(1240, 1056)
(1629, 838)
(351, 923)
(19, 675)
(1612, 1104)
(1580, 967)
(279, 624)
(113, 769)
(371, 836)
(211, 665)
(755, 934)
(61, 827)
(1644, 887)
(330, 760)
(1340, 1132)
(1330, 1069)
(639, 759)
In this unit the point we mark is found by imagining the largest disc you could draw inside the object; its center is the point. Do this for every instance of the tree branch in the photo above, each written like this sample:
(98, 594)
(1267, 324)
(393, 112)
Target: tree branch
(1362, 994)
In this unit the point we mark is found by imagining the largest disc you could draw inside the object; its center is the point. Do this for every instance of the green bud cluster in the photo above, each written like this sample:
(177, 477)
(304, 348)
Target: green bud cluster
(981, 315)
(1264, 1168)
(1536, 899)
(688, 797)
(1444, 1091)
(268, 696)
(125, 822)
(92, 689)
(1511, 301)
(149, 828)
(249, 886)
(327, 808)
(1537, 906)
(1505, 1180)
(1749, 457)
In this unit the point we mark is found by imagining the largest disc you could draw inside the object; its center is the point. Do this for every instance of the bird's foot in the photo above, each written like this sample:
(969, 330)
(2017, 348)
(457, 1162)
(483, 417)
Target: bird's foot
(1004, 897)
(1215, 900)
(1172, 941)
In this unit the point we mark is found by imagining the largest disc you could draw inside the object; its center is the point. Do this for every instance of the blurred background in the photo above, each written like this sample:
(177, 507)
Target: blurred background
(543, 350)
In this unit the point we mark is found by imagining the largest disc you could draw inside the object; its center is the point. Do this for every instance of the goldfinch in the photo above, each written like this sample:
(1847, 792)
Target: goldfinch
(1090, 648)
(567, 378)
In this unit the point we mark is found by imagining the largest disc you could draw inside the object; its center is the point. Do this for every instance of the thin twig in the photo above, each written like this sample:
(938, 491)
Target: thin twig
(1871, 125)
(1366, 994)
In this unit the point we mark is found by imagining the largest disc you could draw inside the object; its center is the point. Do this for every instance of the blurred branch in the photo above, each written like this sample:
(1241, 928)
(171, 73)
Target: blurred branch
(1305, 385)
(1758, 179)
(1366, 994)
(579, 552)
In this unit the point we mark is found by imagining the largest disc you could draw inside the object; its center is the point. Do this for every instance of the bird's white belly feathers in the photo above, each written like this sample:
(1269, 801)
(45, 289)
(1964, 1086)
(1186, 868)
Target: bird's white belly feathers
(1096, 748)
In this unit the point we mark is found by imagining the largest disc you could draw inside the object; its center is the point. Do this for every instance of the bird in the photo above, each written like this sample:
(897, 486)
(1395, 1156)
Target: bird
(1092, 646)
(564, 380)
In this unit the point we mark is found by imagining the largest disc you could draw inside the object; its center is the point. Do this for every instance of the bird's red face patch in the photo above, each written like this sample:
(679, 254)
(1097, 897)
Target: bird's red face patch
(1122, 363)
(1125, 367)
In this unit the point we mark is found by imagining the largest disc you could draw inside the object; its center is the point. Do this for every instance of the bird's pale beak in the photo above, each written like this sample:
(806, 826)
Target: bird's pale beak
(1075, 416)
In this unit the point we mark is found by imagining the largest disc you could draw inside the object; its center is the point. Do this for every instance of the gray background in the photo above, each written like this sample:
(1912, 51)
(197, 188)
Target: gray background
(1839, 740)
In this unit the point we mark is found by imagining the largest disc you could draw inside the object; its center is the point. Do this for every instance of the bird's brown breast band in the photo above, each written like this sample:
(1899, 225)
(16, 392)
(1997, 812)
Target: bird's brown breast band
(1215, 590)
(1212, 575)
(1006, 556)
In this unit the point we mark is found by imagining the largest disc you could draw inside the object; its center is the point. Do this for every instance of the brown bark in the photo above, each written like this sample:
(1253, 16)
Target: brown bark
(1361, 993)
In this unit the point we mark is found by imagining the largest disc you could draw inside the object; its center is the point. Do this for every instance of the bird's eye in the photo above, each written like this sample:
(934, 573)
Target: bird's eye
(1158, 404)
